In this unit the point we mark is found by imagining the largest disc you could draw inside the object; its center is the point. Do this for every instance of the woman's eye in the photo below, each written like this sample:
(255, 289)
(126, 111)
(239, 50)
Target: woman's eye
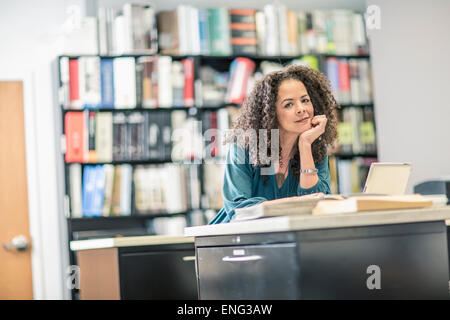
(305, 101)
(288, 105)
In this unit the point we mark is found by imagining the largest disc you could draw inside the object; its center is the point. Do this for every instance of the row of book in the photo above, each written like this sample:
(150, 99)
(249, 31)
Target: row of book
(163, 135)
(356, 131)
(271, 31)
(156, 135)
(350, 80)
(126, 82)
(349, 175)
(123, 190)
(160, 81)
(131, 29)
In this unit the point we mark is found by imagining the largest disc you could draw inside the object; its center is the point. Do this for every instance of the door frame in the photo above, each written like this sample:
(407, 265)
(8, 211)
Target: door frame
(45, 183)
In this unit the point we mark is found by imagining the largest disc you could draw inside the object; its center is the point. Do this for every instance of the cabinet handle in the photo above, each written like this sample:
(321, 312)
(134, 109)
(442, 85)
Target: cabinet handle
(189, 258)
(241, 259)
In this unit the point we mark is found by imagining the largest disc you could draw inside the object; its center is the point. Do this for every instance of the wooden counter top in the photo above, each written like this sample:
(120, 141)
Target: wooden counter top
(311, 222)
(127, 242)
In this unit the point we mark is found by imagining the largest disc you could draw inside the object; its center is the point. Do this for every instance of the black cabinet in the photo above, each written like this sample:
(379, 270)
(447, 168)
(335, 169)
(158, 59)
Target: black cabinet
(400, 261)
(235, 272)
(157, 273)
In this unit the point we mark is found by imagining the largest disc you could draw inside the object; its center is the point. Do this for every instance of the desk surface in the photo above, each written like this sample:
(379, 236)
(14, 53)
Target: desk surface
(127, 242)
(311, 222)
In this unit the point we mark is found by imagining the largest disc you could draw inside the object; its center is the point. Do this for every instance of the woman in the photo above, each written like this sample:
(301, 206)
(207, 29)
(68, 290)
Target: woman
(297, 101)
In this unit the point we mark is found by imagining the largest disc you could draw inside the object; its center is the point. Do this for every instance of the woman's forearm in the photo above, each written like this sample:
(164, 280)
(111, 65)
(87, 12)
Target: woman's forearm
(307, 180)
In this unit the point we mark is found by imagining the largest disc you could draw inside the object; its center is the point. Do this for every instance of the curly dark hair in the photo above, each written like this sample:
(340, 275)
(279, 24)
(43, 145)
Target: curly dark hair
(258, 111)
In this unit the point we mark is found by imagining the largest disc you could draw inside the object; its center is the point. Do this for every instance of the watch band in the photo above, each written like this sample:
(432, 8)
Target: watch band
(309, 170)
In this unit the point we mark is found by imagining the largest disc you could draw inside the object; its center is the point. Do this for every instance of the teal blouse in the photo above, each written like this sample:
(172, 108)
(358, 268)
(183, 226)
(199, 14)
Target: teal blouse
(243, 185)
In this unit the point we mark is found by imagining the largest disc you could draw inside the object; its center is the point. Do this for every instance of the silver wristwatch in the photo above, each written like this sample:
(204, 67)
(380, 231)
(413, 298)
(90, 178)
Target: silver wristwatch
(309, 170)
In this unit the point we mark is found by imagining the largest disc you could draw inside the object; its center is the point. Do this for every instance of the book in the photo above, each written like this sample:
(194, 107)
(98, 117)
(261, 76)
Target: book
(282, 207)
(240, 71)
(219, 32)
(104, 136)
(76, 150)
(107, 82)
(372, 203)
(243, 31)
(75, 190)
(167, 21)
(124, 83)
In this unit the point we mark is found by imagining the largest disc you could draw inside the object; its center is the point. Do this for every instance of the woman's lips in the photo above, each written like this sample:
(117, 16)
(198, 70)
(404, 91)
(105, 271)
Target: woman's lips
(305, 120)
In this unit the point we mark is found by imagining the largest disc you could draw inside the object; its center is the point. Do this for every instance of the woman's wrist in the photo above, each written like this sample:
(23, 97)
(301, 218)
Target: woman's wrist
(303, 144)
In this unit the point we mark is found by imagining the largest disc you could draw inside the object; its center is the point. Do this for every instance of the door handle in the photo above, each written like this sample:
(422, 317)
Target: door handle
(19, 243)
(241, 259)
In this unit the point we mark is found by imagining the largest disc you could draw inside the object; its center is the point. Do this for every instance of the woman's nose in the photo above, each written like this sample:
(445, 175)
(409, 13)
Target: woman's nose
(300, 108)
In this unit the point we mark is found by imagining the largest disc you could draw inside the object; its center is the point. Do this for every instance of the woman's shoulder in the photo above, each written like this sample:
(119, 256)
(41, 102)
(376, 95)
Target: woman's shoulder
(237, 154)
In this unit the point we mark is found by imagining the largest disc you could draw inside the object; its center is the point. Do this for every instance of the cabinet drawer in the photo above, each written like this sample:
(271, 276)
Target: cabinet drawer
(248, 272)
(158, 275)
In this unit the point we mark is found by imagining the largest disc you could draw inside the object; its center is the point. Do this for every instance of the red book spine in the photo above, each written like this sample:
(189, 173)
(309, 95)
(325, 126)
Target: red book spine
(243, 70)
(74, 84)
(75, 136)
(344, 76)
(188, 68)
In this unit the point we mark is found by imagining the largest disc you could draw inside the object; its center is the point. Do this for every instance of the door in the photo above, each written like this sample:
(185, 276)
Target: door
(15, 257)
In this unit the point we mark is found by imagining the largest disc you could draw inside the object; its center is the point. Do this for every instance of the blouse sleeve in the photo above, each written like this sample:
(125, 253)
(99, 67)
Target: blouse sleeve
(323, 185)
(237, 185)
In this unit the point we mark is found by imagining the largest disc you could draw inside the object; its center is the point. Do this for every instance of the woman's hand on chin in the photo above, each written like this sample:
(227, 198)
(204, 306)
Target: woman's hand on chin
(318, 124)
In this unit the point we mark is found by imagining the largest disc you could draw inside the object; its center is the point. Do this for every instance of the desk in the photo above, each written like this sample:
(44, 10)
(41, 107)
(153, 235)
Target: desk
(396, 254)
(145, 267)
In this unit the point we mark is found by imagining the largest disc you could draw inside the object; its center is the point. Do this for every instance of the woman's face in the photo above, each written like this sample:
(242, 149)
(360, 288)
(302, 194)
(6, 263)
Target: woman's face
(294, 107)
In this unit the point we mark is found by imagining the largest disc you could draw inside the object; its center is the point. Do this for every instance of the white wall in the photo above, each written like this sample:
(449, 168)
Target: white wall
(28, 31)
(411, 68)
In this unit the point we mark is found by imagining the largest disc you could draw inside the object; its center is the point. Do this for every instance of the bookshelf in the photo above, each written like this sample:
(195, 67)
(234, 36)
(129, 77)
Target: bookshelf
(192, 212)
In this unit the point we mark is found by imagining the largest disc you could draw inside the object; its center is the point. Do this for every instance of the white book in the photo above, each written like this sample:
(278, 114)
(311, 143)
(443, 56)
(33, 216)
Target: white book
(102, 31)
(64, 91)
(365, 83)
(165, 95)
(75, 190)
(179, 136)
(342, 32)
(183, 30)
(195, 30)
(109, 183)
(261, 32)
(283, 30)
(120, 41)
(141, 198)
(124, 83)
(225, 31)
(104, 136)
(272, 31)
(319, 25)
(125, 189)
(345, 177)
(89, 80)
(359, 32)
(302, 38)
(223, 124)
(194, 187)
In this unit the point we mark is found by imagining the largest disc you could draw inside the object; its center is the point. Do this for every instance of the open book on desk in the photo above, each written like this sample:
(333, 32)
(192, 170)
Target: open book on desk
(373, 203)
(333, 204)
(283, 207)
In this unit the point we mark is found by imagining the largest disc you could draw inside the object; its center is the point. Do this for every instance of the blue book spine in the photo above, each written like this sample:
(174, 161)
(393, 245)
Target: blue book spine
(332, 73)
(87, 190)
(99, 191)
(107, 82)
(204, 31)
